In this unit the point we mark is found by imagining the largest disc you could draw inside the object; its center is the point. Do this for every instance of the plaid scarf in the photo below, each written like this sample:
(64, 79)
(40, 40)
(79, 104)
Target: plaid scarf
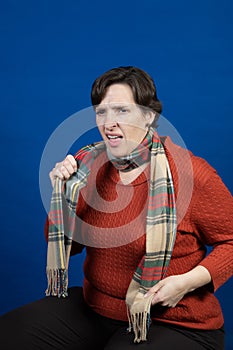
(139, 156)
(160, 226)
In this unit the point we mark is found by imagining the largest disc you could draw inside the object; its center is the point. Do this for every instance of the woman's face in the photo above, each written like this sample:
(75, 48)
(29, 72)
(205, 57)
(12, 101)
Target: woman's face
(120, 121)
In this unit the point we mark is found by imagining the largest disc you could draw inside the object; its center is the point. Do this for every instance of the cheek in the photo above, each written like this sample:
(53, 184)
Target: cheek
(139, 128)
(140, 123)
(135, 133)
(99, 126)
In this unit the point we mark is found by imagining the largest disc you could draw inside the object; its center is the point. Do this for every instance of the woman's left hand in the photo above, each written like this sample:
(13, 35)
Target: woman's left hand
(169, 291)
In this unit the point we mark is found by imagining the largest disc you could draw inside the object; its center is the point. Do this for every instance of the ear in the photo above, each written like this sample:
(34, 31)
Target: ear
(150, 116)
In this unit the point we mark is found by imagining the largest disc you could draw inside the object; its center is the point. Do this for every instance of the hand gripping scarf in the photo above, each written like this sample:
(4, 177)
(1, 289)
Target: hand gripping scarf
(160, 226)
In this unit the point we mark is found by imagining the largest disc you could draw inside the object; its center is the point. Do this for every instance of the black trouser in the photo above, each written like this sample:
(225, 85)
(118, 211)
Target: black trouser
(65, 324)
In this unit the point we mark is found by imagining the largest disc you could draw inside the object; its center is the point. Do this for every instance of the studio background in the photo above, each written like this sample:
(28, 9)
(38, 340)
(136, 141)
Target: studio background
(51, 51)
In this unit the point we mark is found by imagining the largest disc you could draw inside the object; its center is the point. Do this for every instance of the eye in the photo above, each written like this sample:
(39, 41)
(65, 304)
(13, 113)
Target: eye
(100, 112)
(123, 110)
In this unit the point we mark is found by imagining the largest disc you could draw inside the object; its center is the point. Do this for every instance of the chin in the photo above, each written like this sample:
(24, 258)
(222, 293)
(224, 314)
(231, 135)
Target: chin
(118, 153)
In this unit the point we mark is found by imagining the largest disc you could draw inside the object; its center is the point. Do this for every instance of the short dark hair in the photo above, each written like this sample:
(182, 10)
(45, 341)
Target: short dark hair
(140, 82)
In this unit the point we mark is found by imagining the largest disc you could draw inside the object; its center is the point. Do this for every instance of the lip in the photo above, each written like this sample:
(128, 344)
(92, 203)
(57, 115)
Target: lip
(114, 142)
(113, 134)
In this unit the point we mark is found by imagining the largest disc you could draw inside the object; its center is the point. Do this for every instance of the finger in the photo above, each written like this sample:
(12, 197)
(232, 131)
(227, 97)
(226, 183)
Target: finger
(154, 289)
(57, 173)
(64, 171)
(53, 174)
(51, 178)
(158, 298)
(67, 167)
(73, 161)
(168, 304)
(70, 164)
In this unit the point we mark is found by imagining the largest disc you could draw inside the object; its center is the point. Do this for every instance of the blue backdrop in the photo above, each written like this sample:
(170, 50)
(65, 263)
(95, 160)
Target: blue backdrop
(51, 51)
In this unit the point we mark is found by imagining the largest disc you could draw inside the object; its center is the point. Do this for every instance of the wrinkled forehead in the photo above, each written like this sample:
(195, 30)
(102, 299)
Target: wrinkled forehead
(118, 94)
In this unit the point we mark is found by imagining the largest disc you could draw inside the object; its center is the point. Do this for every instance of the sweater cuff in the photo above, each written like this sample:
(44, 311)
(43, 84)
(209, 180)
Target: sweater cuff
(216, 281)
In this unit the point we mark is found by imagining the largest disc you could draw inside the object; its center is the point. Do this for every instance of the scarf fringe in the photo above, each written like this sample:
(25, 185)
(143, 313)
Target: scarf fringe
(139, 323)
(57, 283)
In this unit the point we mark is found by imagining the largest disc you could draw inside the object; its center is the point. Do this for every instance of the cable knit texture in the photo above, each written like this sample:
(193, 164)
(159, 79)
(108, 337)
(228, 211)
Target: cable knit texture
(207, 221)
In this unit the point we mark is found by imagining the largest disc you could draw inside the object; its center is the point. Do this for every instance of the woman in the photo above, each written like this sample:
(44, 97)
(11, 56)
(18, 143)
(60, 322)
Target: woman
(144, 209)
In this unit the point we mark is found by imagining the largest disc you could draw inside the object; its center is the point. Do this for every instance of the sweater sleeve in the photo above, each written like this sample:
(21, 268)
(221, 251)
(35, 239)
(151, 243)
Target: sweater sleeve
(212, 214)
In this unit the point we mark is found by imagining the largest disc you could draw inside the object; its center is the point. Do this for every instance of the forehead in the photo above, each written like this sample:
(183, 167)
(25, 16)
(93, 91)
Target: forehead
(118, 93)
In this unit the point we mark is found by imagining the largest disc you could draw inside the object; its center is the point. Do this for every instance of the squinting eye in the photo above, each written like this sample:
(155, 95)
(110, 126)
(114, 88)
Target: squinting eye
(100, 112)
(123, 110)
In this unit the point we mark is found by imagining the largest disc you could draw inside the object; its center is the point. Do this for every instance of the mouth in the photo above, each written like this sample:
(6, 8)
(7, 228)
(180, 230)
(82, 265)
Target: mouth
(114, 139)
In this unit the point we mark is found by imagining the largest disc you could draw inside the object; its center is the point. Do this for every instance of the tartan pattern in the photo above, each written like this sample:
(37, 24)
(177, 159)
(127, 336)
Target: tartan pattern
(160, 226)
(66, 197)
(140, 155)
(160, 239)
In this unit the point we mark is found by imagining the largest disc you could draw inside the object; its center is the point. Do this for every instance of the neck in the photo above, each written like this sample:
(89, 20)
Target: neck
(130, 176)
(139, 156)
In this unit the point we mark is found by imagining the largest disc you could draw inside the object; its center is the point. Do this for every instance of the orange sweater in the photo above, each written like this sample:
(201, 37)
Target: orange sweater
(110, 262)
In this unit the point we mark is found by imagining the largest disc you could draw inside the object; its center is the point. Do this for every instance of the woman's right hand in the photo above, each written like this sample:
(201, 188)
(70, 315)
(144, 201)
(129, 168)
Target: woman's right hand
(63, 169)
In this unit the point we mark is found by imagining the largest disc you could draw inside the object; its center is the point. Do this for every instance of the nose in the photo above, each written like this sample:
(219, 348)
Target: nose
(110, 120)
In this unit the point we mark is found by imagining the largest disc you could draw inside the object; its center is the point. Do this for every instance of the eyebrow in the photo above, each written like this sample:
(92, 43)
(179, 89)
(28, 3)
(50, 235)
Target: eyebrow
(114, 107)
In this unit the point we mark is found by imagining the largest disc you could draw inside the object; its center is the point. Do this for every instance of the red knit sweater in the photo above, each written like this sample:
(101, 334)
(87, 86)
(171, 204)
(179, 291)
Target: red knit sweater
(110, 262)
